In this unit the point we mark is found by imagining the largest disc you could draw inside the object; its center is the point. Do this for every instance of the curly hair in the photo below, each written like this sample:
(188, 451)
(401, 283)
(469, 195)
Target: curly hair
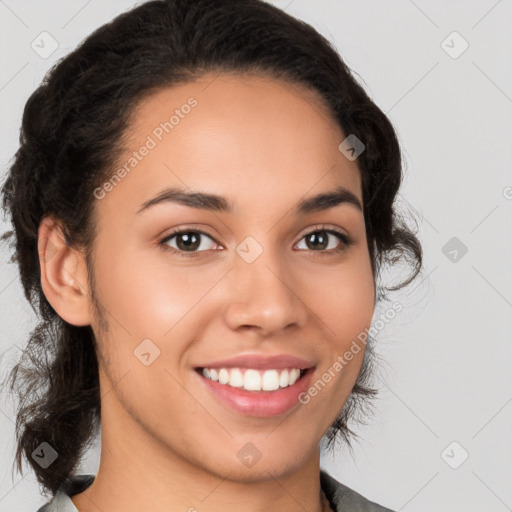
(71, 137)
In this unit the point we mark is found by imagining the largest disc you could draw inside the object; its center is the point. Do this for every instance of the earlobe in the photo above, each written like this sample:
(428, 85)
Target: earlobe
(63, 274)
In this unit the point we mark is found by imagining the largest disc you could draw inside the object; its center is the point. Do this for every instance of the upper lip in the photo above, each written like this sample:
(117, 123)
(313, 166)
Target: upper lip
(261, 362)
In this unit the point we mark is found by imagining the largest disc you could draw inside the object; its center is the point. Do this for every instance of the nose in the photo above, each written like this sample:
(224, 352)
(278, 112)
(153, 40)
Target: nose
(264, 296)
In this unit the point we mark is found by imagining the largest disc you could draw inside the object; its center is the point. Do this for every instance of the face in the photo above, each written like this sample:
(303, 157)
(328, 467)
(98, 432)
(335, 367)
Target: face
(261, 270)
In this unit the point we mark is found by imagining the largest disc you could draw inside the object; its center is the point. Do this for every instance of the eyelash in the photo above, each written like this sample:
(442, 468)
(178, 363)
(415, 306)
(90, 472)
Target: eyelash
(345, 239)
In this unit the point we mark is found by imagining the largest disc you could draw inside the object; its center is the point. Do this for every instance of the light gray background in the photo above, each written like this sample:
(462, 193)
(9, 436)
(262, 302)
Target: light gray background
(447, 355)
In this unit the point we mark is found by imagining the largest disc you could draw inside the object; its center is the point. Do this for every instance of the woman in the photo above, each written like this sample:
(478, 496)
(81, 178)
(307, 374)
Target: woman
(202, 201)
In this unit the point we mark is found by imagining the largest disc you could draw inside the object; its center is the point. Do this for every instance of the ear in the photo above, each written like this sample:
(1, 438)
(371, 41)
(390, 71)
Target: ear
(63, 274)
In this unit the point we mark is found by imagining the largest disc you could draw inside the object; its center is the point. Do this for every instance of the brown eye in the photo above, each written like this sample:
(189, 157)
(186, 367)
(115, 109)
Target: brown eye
(317, 240)
(187, 241)
(323, 240)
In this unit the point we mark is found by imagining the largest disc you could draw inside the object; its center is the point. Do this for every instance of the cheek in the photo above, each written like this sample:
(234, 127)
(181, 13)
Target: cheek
(346, 309)
(148, 296)
(344, 300)
(349, 311)
(150, 309)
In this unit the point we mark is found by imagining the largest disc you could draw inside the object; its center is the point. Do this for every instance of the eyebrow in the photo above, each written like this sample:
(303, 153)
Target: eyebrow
(211, 202)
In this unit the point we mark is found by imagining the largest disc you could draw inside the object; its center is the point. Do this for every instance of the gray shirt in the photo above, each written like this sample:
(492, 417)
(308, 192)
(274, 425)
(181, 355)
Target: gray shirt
(341, 497)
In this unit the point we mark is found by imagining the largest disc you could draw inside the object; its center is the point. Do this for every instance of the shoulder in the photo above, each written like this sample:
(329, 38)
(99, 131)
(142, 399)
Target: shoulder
(342, 498)
(61, 502)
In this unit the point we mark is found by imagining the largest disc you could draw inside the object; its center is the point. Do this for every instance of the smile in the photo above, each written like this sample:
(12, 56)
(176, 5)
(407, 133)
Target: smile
(254, 380)
(256, 393)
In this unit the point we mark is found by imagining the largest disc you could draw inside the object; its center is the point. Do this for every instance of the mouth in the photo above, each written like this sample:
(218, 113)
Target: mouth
(256, 392)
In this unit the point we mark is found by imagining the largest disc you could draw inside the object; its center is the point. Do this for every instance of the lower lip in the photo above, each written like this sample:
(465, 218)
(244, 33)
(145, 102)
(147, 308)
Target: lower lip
(260, 404)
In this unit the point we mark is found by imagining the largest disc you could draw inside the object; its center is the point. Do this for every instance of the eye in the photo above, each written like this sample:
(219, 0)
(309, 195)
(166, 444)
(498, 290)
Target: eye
(187, 241)
(321, 240)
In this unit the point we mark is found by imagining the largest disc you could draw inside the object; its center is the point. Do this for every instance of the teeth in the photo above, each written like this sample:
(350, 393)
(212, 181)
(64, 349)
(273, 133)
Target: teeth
(223, 376)
(283, 379)
(236, 379)
(294, 375)
(253, 380)
(270, 380)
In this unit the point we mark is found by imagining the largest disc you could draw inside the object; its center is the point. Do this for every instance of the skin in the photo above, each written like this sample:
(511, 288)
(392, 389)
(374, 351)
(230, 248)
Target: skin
(167, 443)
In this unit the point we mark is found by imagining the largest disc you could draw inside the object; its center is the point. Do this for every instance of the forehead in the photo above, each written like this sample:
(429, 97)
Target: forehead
(245, 137)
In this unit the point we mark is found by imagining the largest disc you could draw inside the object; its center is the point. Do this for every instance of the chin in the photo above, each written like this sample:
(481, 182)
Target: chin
(263, 469)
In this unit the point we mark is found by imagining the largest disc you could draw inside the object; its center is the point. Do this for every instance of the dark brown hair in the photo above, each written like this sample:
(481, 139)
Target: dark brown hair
(71, 137)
